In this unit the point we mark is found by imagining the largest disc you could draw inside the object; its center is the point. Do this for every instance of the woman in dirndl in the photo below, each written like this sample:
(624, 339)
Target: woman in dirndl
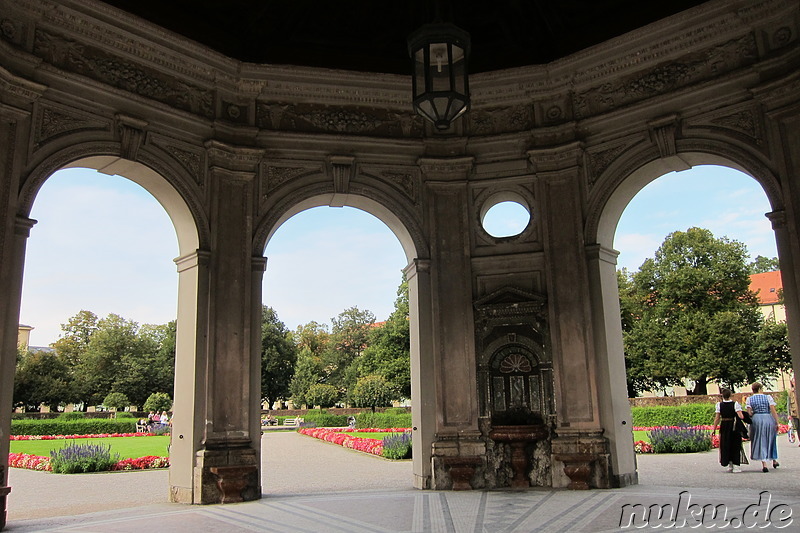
(729, 419)
(764, 429)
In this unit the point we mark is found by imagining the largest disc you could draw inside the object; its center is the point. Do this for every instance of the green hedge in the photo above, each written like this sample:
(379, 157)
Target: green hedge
(86, 426)
(389, 419)
(322, 419)
(695, 414)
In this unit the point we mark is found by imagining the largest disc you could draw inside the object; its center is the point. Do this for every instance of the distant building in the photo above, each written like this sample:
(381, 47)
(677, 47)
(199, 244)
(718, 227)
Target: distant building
(24, 336)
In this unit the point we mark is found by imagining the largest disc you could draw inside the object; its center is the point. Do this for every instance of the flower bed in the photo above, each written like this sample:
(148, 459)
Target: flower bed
(42, 463)
(98, 436)
(339, 436)
(641, 446)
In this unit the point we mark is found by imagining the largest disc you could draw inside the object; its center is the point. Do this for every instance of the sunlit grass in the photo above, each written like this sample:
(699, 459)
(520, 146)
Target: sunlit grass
(126, 447)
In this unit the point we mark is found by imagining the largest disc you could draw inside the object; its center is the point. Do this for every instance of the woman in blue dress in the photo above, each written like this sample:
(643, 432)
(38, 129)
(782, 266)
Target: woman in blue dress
(764, 428)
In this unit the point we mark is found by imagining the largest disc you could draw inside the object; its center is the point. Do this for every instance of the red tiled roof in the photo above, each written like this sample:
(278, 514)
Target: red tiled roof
(766, 285)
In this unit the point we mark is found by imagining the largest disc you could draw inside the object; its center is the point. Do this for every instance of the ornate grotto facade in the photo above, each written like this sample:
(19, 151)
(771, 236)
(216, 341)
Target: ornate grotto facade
(518, 373)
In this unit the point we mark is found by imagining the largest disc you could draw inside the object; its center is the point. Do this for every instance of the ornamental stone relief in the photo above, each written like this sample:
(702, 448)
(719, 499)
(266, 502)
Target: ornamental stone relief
(52, 123)
(101, 66)
(191, 161)
(500, 120)
(689, 69)
(316, 118)
(743, 123)
(273, 176)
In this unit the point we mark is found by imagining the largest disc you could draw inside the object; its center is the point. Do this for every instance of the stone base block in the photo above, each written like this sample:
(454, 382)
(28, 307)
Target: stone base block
(226, 475)
(3, 512)
(461, 470)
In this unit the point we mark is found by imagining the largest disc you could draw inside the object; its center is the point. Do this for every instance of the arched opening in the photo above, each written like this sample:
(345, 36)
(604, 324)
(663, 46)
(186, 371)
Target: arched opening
(323, 261)
(712, 187)
(114, 231)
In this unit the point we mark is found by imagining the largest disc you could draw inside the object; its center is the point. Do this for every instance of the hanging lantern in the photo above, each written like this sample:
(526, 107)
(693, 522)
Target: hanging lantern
(440, 89)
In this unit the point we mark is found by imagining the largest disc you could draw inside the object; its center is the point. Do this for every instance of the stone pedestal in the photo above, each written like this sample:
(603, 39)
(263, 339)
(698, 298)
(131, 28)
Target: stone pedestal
(461, 470)
(232, 481)
(518, 437)
(578, 468)
(3, 493)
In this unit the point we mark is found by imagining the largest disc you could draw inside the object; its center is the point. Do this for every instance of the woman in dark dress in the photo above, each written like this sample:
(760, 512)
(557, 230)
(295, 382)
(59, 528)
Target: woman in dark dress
(731, 454)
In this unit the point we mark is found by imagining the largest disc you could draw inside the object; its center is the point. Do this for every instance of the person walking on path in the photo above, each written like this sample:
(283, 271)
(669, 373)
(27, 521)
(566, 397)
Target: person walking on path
(729, 419)
(764, 429)
(792, 403)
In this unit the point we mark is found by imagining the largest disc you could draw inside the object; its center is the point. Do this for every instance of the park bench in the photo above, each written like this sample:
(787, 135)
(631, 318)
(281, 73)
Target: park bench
(295, 422)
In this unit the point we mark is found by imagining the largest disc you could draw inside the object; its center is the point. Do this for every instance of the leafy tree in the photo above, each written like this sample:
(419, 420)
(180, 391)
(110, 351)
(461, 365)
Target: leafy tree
(388, 351)
(114, 342)
(350, 334)
(41, 378)
(149, 364)
(312, 340)
(78, 331)
(772, 349)
(158, 401)
(116, 401)
(692, 314)
(278, 357)
(372, 391)
(322, 394)
(763, 264)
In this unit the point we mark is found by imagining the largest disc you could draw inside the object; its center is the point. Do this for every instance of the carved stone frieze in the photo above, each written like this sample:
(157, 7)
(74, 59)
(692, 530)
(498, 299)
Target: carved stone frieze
(274, 175)
(52, 122)
(12, 31)
(687, 70)
(350, 120)
(102, 66)
(500, 120)
(744, 123)
(406, 180)
(600, 159)
(190, 157)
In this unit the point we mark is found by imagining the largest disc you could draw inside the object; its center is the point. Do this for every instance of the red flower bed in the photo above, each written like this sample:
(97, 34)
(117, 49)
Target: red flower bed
(339, 436)
(31, 462)
(38, 462)
(101, 435)
(142, 463)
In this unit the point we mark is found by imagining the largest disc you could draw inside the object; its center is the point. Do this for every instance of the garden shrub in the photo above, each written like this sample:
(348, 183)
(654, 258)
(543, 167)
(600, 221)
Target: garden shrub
(84, 426)
(397, 446)
(124, 414)
(680, 439)
(322, 418)
(383, 420)
(77, 458)
(695, 414)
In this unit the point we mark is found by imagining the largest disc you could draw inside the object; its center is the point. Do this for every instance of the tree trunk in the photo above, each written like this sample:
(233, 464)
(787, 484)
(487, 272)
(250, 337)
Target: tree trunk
(700, 388)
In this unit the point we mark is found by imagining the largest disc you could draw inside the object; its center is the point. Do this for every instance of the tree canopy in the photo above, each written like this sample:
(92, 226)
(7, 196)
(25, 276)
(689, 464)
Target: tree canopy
(689, 313)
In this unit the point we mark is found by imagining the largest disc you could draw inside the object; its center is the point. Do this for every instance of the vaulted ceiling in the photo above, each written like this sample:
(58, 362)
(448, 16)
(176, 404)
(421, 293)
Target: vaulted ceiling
(370, 35)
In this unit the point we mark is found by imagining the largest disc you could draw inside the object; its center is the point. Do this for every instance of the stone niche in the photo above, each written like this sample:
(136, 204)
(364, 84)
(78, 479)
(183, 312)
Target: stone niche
(515, 379)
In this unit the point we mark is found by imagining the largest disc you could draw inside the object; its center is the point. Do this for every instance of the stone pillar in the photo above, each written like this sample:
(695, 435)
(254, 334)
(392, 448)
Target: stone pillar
(454, 363)
(578, 428)
(789, 278)
(229, 456)
(191, 365)
(423, 389)
(14, 232)
(615, 410)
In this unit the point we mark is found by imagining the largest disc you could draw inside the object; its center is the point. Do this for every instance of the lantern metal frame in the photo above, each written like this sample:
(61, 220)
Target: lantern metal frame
(440, 85)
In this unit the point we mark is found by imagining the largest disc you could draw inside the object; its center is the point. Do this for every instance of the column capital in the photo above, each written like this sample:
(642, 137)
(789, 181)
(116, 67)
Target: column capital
(602, 253)
(777, 218)
(554, 158)
(417, 265)
(192, 260)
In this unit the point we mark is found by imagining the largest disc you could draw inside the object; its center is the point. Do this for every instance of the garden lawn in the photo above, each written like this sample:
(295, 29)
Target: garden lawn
(371, 434)
(126, 447)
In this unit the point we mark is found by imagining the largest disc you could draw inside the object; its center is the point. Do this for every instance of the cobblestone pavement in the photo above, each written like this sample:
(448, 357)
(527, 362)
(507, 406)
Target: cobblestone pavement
(312, 486)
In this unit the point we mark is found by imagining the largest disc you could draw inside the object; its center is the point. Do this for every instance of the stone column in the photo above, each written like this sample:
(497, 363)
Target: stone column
(791, 284)
(454, 363)
(579, 433)
(191, 365)
(423, 388)
(227, 464)
(615, 410)
(14, 232)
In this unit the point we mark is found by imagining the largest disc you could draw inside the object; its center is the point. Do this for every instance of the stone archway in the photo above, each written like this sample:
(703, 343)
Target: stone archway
(293, 201)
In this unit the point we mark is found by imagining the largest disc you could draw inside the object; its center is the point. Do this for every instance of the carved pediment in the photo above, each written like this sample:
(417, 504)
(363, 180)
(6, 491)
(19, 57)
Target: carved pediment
(510, 301)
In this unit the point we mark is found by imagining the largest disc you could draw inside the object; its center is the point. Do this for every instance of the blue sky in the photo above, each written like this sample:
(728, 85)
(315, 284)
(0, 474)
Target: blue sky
(104, 244)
